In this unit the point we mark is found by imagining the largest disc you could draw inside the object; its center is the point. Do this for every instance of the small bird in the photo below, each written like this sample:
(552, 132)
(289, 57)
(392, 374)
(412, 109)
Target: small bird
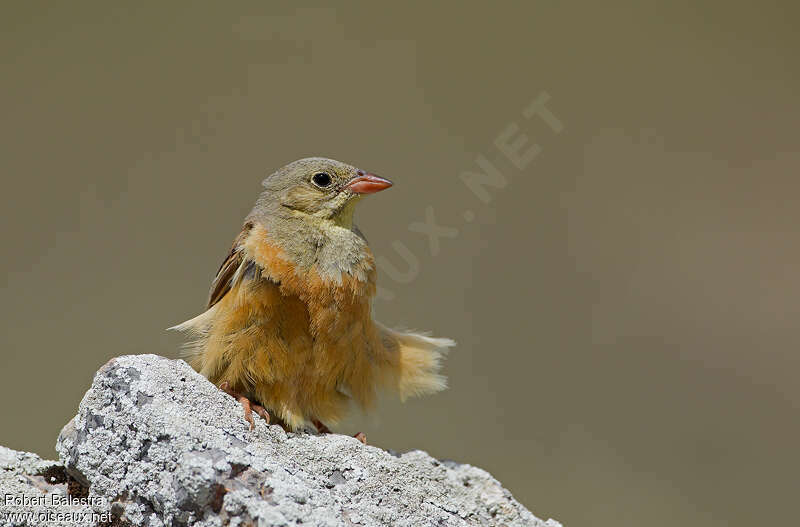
(288, 329)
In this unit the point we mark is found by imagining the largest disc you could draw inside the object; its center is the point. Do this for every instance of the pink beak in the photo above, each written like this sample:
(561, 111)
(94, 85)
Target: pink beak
(366, 183)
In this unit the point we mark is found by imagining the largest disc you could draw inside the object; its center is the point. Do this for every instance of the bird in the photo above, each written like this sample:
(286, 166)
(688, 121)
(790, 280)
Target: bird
(288, 328)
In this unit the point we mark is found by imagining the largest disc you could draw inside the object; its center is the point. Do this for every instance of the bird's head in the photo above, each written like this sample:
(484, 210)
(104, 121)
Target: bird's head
(322, 189)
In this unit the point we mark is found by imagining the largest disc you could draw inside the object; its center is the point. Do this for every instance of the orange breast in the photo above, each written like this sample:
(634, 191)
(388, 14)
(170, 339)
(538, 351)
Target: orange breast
(294, 340)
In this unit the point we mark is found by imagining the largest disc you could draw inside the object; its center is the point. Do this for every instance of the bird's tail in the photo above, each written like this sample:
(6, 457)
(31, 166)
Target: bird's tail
(417, 361)
(197, 328)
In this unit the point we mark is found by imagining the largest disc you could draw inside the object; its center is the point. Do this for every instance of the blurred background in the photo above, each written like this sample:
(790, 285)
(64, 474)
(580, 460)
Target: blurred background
(626, 305)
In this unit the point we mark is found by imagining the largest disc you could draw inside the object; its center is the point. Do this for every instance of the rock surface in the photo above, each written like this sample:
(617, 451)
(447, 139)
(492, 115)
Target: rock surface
(156, 444)
(37, 492)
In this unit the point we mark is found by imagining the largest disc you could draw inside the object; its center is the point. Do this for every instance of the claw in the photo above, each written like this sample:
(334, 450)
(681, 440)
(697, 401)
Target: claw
(248, 406)
(320, 426)
(322, 429)
(260, 410)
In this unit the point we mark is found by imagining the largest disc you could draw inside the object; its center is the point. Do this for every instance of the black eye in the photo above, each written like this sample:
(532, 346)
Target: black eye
(321, 179)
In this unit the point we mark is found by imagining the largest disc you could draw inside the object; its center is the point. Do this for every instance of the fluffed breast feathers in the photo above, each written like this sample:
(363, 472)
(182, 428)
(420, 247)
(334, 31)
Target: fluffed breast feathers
(318, 284)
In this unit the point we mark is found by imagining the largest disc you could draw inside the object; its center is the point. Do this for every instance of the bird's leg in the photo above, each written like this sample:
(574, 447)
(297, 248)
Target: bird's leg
(320, 426)
(249, 407)
(322, 429)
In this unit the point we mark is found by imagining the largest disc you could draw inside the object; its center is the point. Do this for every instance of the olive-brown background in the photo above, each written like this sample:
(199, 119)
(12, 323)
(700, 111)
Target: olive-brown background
(626, 307)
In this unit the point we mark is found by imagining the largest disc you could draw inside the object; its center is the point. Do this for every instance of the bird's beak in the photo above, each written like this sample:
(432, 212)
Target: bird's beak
(366, 183)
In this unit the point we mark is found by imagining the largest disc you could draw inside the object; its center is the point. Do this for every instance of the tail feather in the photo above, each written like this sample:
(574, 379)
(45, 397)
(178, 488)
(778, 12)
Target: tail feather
(418, 362)
(197, 328)
(196, 325)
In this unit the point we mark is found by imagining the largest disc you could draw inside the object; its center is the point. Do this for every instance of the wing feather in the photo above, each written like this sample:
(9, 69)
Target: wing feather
(227, 271)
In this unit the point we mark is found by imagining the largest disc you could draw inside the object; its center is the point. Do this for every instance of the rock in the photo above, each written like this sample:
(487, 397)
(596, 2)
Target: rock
(155, 444)
(37, 492)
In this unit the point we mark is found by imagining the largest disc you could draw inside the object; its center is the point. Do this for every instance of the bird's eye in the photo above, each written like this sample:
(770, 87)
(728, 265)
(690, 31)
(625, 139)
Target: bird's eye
(321, 179)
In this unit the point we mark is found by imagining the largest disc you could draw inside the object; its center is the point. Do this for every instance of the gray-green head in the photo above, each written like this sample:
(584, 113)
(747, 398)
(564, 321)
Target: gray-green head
(324, 189)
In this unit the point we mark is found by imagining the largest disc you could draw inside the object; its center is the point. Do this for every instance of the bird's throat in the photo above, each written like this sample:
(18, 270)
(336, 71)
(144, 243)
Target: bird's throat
(344, 216)
(330, 244)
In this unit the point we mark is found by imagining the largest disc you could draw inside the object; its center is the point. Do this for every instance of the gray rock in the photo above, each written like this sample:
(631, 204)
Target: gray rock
(35, 492)
(160, 445)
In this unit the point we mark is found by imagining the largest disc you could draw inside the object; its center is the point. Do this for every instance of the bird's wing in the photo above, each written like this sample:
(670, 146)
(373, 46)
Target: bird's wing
(227, 271)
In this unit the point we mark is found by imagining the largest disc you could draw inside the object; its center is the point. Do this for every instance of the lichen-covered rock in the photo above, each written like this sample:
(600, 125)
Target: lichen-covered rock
(37, 492)
(163, 446)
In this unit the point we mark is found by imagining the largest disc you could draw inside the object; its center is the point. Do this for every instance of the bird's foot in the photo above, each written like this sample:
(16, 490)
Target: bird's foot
(249, 407)
(322, 429)
(320, 426)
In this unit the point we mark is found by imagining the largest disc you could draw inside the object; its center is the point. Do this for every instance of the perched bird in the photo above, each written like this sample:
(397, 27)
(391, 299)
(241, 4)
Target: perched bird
(288, 328)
